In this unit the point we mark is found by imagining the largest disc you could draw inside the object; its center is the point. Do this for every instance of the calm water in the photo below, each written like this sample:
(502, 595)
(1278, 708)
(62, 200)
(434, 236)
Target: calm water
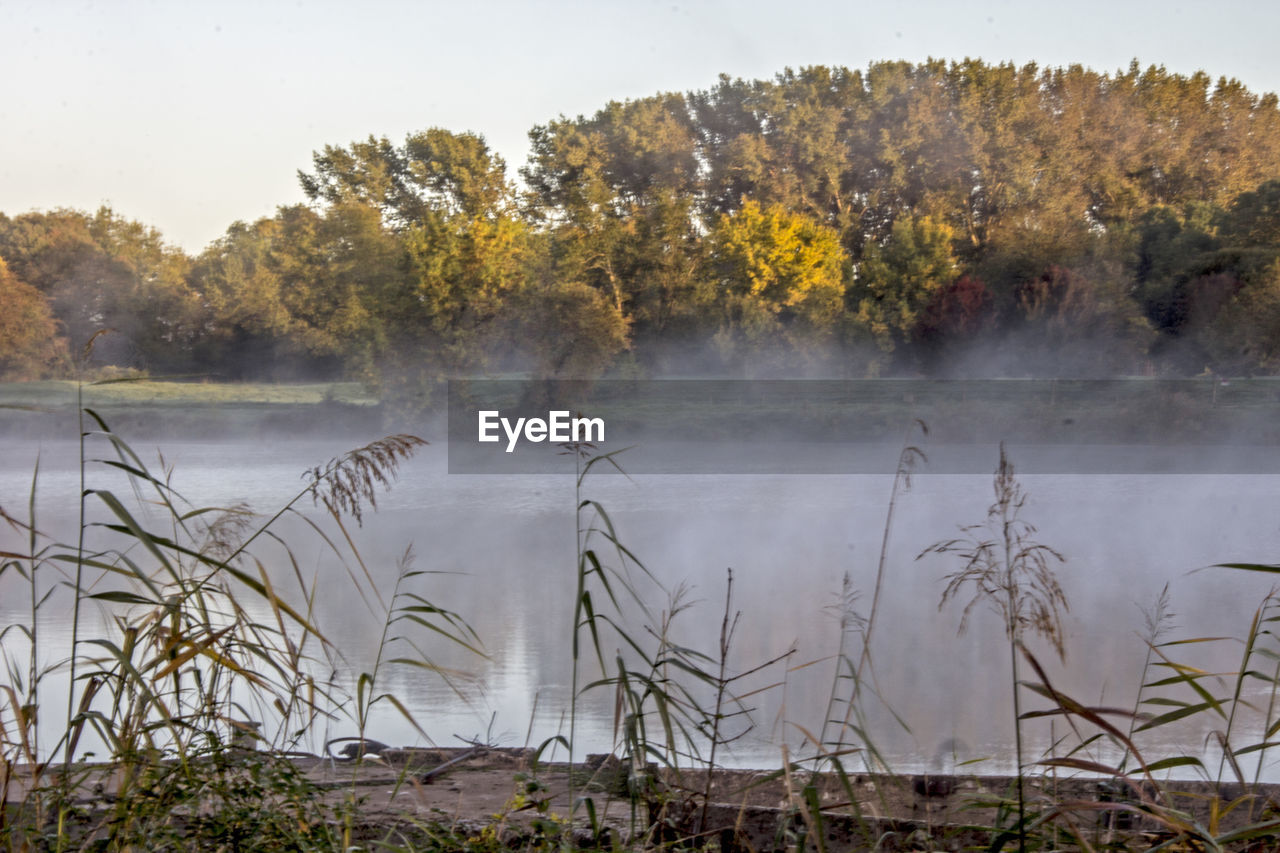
(504, 548)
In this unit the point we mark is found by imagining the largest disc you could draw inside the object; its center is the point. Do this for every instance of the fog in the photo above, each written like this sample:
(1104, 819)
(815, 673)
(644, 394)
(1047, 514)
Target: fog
(505, 548)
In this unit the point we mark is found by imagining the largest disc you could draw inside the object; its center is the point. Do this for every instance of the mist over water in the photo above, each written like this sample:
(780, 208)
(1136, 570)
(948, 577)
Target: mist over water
(504, 548)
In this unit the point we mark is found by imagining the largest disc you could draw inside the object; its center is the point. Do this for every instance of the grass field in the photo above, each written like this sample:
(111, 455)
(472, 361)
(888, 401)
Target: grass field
(194, 409)
(62, 393)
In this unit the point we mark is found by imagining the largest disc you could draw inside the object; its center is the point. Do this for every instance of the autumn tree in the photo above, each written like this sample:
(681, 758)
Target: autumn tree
(959, 315)
(103, 271)
(30, 347)
(709, 216)
(781, 279)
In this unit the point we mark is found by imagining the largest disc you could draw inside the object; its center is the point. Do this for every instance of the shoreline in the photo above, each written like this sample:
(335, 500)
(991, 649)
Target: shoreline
(500, 791)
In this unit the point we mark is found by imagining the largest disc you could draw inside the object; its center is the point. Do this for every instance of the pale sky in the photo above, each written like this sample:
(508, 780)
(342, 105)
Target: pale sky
(189, 116)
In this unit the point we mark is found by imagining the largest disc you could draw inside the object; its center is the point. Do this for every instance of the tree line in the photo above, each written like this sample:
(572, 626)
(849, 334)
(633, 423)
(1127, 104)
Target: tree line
(935, 219)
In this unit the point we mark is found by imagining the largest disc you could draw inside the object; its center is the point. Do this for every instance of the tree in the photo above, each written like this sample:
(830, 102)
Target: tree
(1242, 334)
(781, 279)
(30, 346)
(453, 251)
(1077, 323)
(434, 171)
(299, 294)
(571, 330)
(462, 275)
(106, 272)
(618, 194)
(1205, 276)
(898, 279)
(251, 329)
(1169, 246)
(624, 155)
(153, 309)
(796, 141)
(1253, 219)
(957, 315)
(336, 270)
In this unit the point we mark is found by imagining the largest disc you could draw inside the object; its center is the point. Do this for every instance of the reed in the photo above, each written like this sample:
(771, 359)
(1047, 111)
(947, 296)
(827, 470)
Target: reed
(163, 693)
(1004, 568)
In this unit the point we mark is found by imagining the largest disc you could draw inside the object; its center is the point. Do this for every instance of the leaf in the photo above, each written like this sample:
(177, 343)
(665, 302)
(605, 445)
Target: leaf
(1178, 715)
(1250, 567)
(1175, 761)
(121, 597)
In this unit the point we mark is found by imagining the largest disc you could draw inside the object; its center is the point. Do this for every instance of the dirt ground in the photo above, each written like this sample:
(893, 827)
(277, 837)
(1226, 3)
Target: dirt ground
(469, 789)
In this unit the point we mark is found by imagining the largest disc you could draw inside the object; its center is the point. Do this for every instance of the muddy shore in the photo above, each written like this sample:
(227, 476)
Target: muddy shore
(401, 793)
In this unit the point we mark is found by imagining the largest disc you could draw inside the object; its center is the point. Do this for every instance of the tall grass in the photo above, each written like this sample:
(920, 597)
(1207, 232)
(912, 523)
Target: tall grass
(1006, 569)
(850, 678)
(674, 704)
(198, 640)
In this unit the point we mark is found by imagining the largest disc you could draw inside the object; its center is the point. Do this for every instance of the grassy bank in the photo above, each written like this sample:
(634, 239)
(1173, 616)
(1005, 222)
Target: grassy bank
(147, 408)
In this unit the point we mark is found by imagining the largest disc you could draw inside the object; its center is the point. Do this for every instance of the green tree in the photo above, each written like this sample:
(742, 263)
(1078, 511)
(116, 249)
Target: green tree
(462, 275)
(153, 308)
(434, 171)
(618, 193)
(335, 269)
(461, 251)
(298, 294)
(797, 141)
(1171, 246)
(1242, 334)
(1252, 219)
(251, 329)
(897, 280)
(570, 330)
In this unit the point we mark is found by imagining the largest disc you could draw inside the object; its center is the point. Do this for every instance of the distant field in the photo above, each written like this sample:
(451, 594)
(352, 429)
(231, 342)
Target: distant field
(146, 407)
(156, 393)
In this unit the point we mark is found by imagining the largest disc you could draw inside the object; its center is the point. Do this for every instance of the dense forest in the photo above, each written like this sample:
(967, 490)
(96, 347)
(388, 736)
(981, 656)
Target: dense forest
(934, 219)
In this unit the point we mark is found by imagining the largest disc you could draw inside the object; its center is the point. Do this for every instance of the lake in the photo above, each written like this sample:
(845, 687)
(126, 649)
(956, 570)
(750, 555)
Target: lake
(504, 551)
